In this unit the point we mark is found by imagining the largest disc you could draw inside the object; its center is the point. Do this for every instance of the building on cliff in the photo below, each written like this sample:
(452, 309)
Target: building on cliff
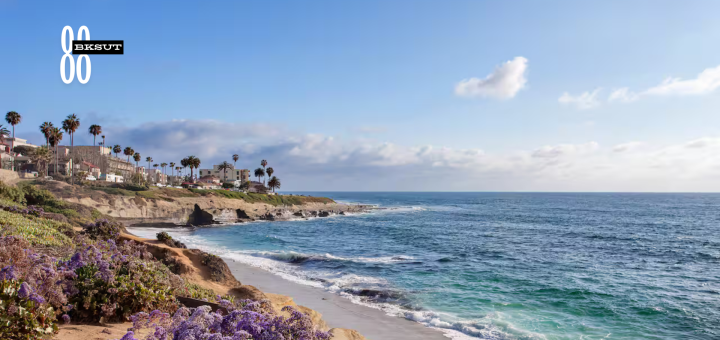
(100, 156)
(230, 174)
(156, 176)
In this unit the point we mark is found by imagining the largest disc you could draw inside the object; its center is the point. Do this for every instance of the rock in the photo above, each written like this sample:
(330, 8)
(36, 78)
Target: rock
(242, 214)
(323, 214)
(346, 334)
(342, 213)
(200, 217)
(267, 217)
(247, 292)
(299, 213)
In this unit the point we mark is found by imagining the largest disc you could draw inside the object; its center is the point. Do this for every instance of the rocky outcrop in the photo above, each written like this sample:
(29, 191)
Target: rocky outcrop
(200, 217)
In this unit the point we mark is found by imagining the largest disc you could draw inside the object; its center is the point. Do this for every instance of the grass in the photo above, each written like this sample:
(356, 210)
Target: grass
(37, 231)
(115, 191)
(263, 198)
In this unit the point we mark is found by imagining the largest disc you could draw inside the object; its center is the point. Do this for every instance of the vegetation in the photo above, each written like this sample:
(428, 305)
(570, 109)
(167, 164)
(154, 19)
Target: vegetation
(13, 118)
(164, 237)
(274, 183)
(36, 230)
(46, 128)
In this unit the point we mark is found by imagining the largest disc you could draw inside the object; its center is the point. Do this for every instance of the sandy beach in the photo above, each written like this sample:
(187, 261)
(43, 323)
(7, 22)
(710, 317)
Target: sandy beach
(336, 310)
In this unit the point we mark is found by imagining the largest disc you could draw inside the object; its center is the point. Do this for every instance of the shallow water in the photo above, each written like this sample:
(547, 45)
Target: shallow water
(506, 265)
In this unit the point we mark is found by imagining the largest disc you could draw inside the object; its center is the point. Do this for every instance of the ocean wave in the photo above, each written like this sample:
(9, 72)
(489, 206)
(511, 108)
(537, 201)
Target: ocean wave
(369, 291)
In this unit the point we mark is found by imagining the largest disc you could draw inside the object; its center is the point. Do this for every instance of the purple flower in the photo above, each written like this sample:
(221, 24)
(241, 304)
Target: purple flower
(24, 291)
(8, 273)
(129, 336)
(37, 298)
(66, 318)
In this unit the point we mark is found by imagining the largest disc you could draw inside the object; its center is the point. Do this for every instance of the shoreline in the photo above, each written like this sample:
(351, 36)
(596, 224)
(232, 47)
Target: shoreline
(336, 310)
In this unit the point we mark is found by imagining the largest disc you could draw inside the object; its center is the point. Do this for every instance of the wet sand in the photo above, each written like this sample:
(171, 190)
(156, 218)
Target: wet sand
(336, 310)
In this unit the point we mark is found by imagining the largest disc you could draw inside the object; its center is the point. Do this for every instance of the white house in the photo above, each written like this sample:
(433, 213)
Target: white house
(111, 178)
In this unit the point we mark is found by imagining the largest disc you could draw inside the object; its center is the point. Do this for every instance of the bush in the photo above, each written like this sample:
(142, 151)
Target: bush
(13, 194)
(24, 313)
(248, 322)
(112, 282)
(228, 185)
(164, 237)
(37, 231)
(103, 230)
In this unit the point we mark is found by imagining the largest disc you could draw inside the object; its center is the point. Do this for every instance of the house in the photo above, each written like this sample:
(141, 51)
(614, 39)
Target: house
(231, 174)
(91, 169)
(209, 180)
(156, 176)
(111, 178)
(257, 187)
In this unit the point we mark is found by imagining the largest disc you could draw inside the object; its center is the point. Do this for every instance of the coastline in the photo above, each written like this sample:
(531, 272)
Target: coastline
(336, 310)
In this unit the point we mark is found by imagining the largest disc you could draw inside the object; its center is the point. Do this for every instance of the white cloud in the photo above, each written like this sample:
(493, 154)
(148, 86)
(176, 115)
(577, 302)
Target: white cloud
(584, 101)
(706, 82)
(503, 83)
(627, 146)
(623, 95)
(320, 162)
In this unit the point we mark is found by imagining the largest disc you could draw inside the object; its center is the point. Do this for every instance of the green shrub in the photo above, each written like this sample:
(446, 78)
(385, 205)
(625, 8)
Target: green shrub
(14, 194)
(23, 314)
(163, 236)
(36, 230)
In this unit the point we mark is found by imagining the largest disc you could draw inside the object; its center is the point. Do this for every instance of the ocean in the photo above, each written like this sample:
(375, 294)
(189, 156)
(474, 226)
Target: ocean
(504, 265)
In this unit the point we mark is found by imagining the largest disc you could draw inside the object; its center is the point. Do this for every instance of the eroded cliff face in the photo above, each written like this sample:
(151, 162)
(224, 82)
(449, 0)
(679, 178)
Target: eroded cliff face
(199, 210)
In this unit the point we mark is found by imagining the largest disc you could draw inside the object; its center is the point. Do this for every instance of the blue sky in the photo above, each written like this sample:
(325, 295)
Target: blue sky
(369, 95)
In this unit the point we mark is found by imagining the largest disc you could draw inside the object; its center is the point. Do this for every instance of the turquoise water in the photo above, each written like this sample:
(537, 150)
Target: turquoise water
(506, 265)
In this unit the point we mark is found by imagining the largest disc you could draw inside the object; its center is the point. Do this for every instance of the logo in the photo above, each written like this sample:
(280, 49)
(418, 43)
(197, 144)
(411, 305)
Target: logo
(82, 48)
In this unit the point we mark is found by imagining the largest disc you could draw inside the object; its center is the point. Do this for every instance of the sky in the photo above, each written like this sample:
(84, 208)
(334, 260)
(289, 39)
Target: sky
(390, 95)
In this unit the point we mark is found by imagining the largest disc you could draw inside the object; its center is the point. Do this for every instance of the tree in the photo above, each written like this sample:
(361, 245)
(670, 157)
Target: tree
(95, 130)
(172, 168)
(3, 133)
(13, 118)
(193, 163)
(128, 152)
(45, 129)
(259, 172)
(137, 159)
(163, 165)
(70, 125)
(235, 159)
(116, 149)
(274, 183)
(224, 166)
(148, 159)
(56, 135)
(263, 163)
(270, 171)
(41, 156)
(103, 137)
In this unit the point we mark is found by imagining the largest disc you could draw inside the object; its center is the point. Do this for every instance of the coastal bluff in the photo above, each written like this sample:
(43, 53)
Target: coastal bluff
(170, 207)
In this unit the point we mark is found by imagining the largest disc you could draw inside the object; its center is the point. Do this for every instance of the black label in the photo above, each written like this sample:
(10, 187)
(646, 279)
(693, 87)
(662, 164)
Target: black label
(97, 47)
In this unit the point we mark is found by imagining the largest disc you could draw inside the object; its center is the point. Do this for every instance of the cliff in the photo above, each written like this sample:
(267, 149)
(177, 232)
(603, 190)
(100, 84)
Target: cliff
(183, 207)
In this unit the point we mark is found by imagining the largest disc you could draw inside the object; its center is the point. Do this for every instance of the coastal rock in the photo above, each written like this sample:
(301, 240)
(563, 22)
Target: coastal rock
(241, 214)
(323, 214)
(346, 334)
(247, 292)
(299, 214)
(200, 217)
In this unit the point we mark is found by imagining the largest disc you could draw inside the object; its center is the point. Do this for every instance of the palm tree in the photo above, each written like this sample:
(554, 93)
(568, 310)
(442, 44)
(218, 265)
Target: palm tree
(148, 159)
(235, 159)
(224, 166)
(263, 163)
(259, 172)
(70, 125)
(116, 149)
(194, 163)
(3, 133)
(103, 137)
(128, 152)
(270, 172)
(137, 159)
(13, 118)
(274, 182)
(45, 129)
(172, 168)
(95, 130)
(163, 165)
(56, 135)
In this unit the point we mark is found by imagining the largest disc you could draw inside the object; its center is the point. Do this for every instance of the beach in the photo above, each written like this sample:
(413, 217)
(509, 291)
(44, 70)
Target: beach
(337, 311)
